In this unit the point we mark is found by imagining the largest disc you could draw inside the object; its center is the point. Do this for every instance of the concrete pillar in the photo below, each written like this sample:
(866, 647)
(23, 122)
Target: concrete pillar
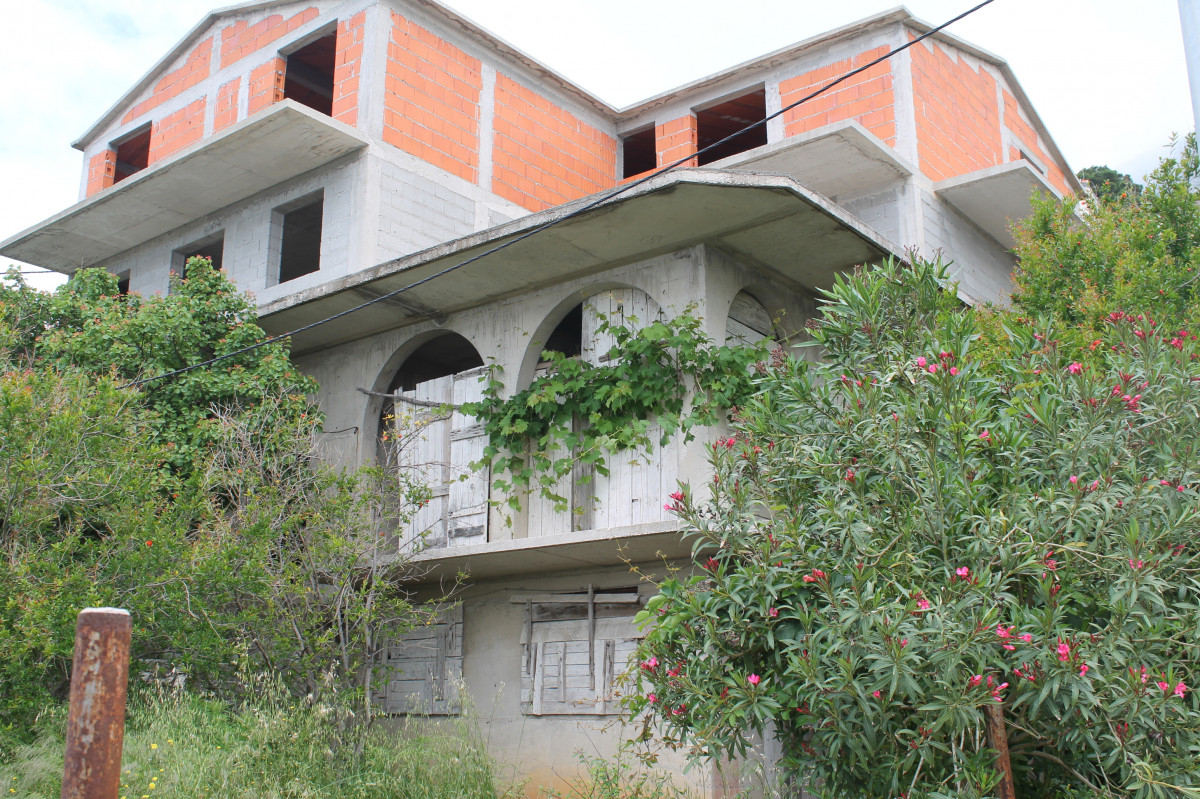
(1189, 19)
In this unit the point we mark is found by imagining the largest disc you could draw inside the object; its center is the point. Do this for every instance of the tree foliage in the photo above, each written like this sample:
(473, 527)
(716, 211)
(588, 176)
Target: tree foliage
(88, 326)
(197, 503)
(1140, 255)
(1109, 185)
(905, 533)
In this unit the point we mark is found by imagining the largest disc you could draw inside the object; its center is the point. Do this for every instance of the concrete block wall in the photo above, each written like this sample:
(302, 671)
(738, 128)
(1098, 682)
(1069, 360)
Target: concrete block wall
(247, 230)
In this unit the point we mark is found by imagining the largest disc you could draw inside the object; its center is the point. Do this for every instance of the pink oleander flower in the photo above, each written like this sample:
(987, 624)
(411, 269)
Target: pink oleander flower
(976, 680)
(1095, 484)
(903, 642)
(1136, 564)
(651, 698)
(921, 362)
(932, 369)
(878, 694)
(651, 664)
(677, 496)
(1075, 368)
(1073, 479)
(953, 371)
(773, 612)
(1083, 670)
(850, 475)
(985, 436)
(963, 571)
(1064, 650)
(923, 603)
(1027, 638)
(679, 711)
(1003, 632)
(1180, 689)
(754, 679)
(1164, 686)
(946, 356)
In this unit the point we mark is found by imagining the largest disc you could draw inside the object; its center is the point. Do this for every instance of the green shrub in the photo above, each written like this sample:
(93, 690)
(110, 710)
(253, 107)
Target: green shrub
(904, 534)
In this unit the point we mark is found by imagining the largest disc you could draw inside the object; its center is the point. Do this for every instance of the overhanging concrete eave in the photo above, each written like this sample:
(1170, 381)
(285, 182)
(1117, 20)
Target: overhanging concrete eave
(267, 148)
(578, 550)
(844, 156)
(772, 220)
(994, 197)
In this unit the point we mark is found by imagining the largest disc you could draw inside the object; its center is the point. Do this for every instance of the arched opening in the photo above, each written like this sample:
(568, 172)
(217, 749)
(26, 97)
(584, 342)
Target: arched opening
(425, 438)
(748, 322)
(631, 491)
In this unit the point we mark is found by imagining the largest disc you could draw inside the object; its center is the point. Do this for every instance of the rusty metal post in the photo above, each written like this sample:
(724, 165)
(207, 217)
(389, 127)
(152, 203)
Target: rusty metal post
(998, 740)
(96, 720)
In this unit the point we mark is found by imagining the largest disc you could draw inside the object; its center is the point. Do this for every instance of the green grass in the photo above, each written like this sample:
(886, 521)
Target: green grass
(274, 748)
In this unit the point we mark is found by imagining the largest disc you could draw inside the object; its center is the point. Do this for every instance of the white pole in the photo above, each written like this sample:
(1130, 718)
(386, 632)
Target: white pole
(1189, 19)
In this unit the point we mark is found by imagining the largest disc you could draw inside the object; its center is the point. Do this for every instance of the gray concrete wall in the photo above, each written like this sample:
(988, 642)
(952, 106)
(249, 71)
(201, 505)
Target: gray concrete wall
(248, 235)
(981, 265)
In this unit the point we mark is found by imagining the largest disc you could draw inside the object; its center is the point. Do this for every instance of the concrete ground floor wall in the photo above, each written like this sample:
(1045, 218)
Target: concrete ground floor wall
(543, 749)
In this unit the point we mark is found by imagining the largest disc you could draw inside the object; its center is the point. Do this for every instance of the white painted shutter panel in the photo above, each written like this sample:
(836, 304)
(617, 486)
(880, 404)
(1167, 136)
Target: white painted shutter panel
(421, 670)
(637, 483)
(749, 322)
(425, 458)
(542, 515)
(467, 494)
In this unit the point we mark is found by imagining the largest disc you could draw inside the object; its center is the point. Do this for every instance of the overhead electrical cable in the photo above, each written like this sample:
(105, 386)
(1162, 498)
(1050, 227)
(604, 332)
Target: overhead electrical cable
(600, 200)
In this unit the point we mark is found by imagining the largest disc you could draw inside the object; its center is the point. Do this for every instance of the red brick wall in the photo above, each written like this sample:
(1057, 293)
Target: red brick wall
(242, 39)
(175, 131)
(1024, 133)
(958, 123)
(543, 155)
(102, 167)
(431, 100)
(227, 104)
(195, 69)
(675, 139)
(347, 67)
(867, 97)
(266, 84)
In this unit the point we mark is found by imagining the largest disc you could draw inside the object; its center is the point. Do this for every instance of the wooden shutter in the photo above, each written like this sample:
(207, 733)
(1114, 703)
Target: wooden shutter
(637, 484)
(440, 453)
(749, 322)
(559, 678)
(420, 671)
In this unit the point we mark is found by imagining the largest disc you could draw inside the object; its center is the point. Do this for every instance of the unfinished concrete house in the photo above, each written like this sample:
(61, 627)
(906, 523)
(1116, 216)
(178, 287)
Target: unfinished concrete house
(326, 152)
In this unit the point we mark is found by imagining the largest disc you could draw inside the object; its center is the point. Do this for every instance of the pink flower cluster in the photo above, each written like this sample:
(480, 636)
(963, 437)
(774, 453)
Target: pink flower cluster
(816, 575)
(676, 501)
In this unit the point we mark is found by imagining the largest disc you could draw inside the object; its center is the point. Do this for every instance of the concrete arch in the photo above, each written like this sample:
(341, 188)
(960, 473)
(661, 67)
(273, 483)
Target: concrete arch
(394, 366)
(554, 317)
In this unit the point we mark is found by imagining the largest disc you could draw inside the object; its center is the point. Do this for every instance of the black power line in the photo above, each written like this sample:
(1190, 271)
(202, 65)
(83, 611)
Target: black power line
(603, 198)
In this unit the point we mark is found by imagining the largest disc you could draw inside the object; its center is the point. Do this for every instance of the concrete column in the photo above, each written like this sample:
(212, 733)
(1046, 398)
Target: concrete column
(1189, 20)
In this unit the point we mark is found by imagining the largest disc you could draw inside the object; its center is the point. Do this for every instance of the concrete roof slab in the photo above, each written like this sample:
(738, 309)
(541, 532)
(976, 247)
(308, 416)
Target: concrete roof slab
(772, 220)
(274, 145)
(995, 197)
(840, 158)
(585, 549)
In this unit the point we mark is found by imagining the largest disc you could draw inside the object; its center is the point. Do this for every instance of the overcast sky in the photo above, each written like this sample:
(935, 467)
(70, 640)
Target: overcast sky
(1107, 76)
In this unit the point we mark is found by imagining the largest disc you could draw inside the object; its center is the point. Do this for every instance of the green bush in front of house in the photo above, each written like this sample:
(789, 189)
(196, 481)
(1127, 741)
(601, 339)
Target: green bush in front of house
(951, 511)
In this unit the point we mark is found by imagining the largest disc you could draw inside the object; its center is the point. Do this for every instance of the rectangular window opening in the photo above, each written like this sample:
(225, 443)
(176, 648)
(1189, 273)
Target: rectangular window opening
(638, 150)
(309, 76)
(123, 283)
(211, 247)
(300, 238)
(133, 154)
(728, 117)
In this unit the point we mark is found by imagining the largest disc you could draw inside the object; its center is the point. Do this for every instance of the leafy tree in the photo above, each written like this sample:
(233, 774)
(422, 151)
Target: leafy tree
(196, 503)
(1142, 255)
(1109, 185)
(905, 534)
(88, 325)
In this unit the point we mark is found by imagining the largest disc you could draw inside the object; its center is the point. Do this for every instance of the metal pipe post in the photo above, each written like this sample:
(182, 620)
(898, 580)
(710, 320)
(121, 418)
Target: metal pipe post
(96, 720)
